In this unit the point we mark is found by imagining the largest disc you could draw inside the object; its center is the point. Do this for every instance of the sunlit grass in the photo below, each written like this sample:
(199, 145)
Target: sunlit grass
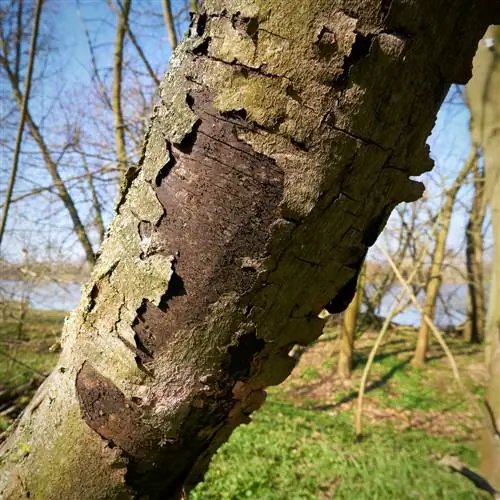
(302, 445)
(25, 352)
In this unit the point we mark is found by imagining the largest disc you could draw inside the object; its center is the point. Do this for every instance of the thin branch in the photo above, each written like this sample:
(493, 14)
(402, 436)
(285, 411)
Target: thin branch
(19, 34)
(95, 199)
(22, 119)
(141, 53)
(51, 166)
(395, 310)
(20, 363)
(93, 59)
(426, 318)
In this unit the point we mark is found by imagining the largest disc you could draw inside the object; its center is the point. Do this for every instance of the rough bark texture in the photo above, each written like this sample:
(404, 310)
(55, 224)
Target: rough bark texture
(483, 94)
(285, 133)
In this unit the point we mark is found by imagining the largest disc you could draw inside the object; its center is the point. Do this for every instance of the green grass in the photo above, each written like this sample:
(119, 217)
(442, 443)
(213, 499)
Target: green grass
(290, 452)
(25, 349)
(302, 445)
(309, 374)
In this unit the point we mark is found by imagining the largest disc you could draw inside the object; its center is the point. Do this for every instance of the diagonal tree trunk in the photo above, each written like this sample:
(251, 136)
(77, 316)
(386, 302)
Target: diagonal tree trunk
(51, 166)
(285, 134)
(435, 276)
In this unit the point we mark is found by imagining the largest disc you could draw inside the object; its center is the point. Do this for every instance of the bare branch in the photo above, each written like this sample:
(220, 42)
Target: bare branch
(24, 108)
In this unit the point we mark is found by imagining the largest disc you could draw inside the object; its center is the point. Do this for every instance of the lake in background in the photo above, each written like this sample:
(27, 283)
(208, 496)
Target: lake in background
(49, 295)
(451, 306)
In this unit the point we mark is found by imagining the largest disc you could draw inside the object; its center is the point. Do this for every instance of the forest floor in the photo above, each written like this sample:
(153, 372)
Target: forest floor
(302, 444)
(28, 352)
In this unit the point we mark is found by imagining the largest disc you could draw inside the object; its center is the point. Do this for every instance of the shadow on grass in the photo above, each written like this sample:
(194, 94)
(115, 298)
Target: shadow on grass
(354, 394)
(376, 384)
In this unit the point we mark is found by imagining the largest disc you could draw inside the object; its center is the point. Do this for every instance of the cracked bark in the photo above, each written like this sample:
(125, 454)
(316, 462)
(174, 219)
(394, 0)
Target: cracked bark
(281, 141)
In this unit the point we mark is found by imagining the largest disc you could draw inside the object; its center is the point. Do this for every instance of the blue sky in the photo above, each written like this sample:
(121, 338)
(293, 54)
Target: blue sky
(68, 73)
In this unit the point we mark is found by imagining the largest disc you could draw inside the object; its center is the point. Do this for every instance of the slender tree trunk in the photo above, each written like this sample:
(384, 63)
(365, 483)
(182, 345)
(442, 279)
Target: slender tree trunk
(96, 204)
(169, 23)
(348, 333)
(116, 99)
(435, 277)
(484, 104)
(24, 108)
(271, 164)
(476, 313)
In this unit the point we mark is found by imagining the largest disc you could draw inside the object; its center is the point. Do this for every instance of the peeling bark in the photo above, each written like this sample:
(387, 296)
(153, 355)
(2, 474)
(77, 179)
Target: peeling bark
(284, 135)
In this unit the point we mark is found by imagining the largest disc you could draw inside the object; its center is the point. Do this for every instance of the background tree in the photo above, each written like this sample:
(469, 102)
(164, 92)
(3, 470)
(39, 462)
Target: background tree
(435, 274)
(348, 332)
(484, 102)
(476, 307)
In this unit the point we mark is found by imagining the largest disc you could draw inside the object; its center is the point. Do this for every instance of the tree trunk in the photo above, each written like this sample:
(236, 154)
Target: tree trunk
(476, 304)
(121, 29)
(484, 103)
(22, 117)
(169, 23)
(435, 277)
(348, 333)
(285, 134)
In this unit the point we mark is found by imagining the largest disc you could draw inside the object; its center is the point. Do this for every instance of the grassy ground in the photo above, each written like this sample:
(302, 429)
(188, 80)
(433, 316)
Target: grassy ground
(301, 444)
(25, 354)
